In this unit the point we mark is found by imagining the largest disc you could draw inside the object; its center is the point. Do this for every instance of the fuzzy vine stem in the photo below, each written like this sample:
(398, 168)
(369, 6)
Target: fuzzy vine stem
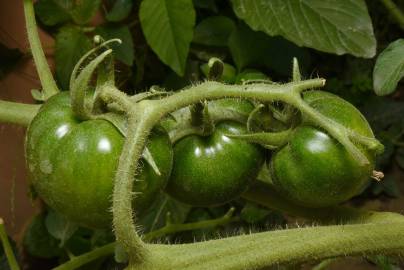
(12, 262)
(291, 246)
(48, 83)
(17, 113)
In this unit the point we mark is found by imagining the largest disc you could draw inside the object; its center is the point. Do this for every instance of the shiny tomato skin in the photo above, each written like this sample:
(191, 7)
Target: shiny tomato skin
(214, 169)
(315, 170)
(73, 163)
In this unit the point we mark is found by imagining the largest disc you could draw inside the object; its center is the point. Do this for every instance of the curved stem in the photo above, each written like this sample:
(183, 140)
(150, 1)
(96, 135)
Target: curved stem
(80, 87)
(394, 10)
(17, 113)
(45, 75)
(139, 127)
(12, 262)
(213, 90)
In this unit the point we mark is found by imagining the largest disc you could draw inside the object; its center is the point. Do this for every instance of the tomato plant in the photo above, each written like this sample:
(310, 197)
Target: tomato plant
(72, 163)
(180, 122)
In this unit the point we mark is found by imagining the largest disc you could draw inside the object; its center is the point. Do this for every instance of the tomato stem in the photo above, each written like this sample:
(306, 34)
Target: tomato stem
(48, 83)
(17, 113)
(12, 262)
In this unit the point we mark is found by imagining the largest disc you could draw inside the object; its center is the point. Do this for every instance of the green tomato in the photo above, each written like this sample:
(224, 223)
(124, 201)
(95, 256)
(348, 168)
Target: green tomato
(73, 163)
(215, 169)
(314, 169)
(250, 75)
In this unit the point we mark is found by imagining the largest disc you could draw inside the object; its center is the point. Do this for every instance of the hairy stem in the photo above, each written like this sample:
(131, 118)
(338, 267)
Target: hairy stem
(395, 12)
(292, 246)
(48, 83)
(17, 113)
(12, 262)
(213, 90)
(139, 126)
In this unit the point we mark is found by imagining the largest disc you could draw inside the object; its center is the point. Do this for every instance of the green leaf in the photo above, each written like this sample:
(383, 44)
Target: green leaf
(9, 59)
(250, 48)
(71, 45)
(124, 52)
(60, 227)
(389, 68)
(84, 10)
(168, 28)
(214, 31)
(37, 240)
(334, 26)
(53, 12)
(120, 10)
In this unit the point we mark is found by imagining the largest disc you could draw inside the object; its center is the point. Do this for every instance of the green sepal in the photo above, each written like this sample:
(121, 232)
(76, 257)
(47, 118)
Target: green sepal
(296, 75)
(38, 95)
(252, 116)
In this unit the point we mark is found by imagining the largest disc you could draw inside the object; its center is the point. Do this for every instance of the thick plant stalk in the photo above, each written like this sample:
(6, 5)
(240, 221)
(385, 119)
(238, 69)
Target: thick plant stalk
(293, 246)
(17, 113)
(48, 83)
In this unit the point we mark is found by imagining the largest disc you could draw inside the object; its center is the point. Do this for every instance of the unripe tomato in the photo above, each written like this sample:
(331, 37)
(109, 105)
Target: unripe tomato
(73, 163)
(214, 169)
(314, 169)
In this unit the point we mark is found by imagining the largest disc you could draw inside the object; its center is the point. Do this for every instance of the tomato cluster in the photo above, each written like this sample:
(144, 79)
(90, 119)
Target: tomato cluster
(73, 162)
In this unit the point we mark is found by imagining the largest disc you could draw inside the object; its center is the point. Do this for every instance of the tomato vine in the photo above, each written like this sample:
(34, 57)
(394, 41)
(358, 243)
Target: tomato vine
(361, 233)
